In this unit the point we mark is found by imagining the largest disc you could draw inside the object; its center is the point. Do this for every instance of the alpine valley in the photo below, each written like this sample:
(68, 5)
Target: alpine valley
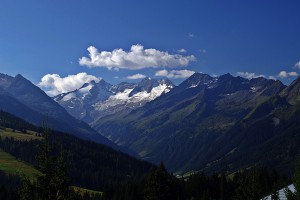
(20, 97)
(221, 124)
(206, 123)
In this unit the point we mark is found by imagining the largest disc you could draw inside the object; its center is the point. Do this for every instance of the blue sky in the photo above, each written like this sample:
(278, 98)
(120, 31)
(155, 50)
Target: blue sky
(39, 38)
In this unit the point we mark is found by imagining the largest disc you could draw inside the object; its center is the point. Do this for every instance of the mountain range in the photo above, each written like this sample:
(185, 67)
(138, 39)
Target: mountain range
(206, 123)
(211, 124)
(20, 97)
(97, 99)
(188, 127)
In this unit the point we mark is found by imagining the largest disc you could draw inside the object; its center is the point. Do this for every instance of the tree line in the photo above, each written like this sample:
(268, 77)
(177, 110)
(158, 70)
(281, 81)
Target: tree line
(65, 160)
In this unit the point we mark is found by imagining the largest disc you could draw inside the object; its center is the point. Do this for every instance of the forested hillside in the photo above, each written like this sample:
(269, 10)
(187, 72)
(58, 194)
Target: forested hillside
(90, 165)
(121, 177)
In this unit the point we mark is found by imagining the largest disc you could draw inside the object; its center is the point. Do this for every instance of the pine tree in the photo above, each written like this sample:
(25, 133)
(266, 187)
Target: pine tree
(3, 193)
(52, 183)
(289, 194)
(45, 184)
(60, 179)
(159, 185)
(26, 190)
(297, 180)
(275, 195)
(296, 195)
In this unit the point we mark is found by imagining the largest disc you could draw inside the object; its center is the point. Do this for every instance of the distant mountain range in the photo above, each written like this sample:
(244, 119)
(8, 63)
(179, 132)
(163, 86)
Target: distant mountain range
(206, 123)
(212, 124)
(95, 100)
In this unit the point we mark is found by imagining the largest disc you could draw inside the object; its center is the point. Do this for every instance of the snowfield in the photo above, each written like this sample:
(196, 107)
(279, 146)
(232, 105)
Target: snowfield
(281, 193)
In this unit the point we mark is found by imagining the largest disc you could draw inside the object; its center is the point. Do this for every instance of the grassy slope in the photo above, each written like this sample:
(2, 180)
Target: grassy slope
(83, 191)
(11, 165)
(30, 135)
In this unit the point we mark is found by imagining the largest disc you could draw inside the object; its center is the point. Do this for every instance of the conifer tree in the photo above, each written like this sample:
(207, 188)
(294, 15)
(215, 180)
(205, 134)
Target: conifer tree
(60, 179)
(289, 194)
(159, 184)
(297, 180)
(275, 195)
(45, 184)
(52, 183)
(296, 195)
(26, 191)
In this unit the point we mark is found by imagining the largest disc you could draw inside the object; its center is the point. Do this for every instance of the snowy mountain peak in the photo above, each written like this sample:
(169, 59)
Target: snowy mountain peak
(94, 100)
(166, 81)
(121, 87)
(147, 85)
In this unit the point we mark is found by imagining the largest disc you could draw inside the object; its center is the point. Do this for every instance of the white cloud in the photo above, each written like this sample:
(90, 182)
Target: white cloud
(53, 84)
(181, 51)
(272, 77)
(191, 35)
(203, 50)
(136, 76)
(135, 59)
(249, 75)
(297, 65)
(162, 73)
(285, 74)
(175, 73)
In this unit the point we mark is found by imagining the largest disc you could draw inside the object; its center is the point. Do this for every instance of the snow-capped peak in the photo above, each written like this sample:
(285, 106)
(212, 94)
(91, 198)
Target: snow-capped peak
(135, 97)
(101, 98)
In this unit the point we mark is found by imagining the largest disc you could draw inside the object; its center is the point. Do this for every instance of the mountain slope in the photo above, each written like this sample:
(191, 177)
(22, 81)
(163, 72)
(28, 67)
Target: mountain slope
(22, 98)
(89, 164)
(181, 126)
(292, 92)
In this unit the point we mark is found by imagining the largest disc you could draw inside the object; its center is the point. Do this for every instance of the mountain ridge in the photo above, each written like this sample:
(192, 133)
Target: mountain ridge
(180, 126)
(22, 98)
(201, 124)
(95, 100)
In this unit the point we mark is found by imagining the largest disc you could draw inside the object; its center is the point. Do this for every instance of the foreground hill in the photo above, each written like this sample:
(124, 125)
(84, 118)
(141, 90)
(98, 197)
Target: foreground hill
(90, 165)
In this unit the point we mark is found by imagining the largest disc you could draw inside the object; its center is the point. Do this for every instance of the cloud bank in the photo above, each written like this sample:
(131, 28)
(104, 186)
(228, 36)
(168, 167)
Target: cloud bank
(297, 65)
(248, 75)
(137, 58)
(181, 51)
(53, 84)
(285, 74)
(136, 76)
(175, 73)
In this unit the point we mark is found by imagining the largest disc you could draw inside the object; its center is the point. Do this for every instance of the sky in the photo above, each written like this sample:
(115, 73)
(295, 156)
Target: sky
(61, 44)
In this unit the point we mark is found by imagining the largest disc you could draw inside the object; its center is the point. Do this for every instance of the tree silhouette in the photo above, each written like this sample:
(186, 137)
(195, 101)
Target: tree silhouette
(52, 183)
(159, 184)
(297, 180)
